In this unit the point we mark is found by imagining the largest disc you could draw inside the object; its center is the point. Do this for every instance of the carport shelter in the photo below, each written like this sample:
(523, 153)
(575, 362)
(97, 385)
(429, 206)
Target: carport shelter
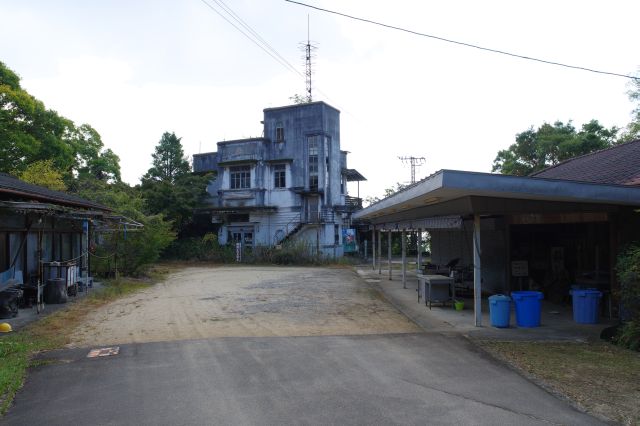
(38, 225)
(537, 233)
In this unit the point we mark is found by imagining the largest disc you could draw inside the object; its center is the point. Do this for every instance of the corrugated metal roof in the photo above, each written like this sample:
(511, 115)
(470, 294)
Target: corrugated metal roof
(12, 188)
(619, 165)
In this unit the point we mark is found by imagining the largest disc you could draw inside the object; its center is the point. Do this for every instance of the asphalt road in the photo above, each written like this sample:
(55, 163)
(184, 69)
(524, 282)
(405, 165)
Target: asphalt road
(369, 380)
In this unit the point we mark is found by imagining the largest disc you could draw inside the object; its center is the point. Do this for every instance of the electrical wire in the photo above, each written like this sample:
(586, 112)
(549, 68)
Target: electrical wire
(284, 64)
(475, 46)
(256, 39)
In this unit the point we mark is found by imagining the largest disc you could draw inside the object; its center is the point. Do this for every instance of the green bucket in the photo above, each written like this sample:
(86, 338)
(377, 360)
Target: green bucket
(458, 304)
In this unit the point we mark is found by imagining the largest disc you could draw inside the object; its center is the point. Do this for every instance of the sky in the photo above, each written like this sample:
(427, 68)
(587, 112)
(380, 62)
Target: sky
(134, 69)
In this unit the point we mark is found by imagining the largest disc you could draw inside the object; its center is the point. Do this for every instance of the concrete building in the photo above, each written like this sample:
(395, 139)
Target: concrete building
(291, 183)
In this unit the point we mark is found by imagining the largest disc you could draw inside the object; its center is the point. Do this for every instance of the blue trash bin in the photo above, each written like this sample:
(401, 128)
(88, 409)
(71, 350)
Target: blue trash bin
(585, 305)
(528, 307)
(500, 310)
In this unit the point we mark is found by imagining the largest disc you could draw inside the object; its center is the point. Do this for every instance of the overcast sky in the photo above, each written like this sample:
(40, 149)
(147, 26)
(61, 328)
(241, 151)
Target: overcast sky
(134, 69)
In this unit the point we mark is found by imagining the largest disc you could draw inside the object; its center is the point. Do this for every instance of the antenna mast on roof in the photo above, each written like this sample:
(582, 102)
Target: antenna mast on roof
(414, 162)
(308, 56)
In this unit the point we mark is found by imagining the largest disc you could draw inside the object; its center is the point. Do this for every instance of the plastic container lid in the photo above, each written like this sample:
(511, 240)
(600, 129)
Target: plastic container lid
(500, 297)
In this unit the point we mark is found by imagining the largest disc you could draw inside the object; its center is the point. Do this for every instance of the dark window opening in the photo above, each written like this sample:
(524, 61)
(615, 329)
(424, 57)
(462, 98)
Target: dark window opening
(279, 133)
(238, 218)
(240, 177)
(313, 162)
(279, 176)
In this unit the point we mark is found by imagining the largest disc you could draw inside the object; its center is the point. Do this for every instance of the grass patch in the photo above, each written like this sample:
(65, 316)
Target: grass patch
(53, 331)
(600, 377)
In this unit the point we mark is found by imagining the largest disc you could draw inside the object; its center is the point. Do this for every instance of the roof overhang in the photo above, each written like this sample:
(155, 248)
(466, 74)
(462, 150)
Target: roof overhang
(352, 175)
(455, 192)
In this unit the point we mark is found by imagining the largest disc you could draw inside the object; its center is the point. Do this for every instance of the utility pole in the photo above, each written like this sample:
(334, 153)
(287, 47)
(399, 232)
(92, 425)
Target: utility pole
(414, 162)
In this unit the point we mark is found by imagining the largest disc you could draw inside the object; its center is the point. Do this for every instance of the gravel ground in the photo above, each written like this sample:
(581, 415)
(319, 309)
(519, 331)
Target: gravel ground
(245, 301)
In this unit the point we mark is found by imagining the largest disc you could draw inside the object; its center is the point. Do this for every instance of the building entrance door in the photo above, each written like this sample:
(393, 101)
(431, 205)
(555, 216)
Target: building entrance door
(313, 210)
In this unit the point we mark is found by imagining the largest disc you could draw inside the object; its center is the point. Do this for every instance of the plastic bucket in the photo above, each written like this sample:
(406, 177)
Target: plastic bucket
(499, 310)
(528, 307)
(458, 305)
(586, 305)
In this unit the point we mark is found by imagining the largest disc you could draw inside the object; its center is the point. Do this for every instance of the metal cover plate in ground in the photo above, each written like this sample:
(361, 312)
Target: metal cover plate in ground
(100, 352)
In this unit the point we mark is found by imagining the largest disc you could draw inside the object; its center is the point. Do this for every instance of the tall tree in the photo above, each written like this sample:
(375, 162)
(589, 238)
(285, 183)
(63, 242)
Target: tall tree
(535, 150)
(44, 173)
(169, 187)
(169, 162)
(91, 157)
(632, 131)
(29, 132)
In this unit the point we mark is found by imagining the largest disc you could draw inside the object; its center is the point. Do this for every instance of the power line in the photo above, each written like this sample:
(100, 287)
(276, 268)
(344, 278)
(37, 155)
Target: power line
(238, 19)
(255, 38)
(283, 63)
(502, 52)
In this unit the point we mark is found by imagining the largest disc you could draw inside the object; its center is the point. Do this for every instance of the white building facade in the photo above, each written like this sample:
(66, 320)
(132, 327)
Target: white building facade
(290, 184)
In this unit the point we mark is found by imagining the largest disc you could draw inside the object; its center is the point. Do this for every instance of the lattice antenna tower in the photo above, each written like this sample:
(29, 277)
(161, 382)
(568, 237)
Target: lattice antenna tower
(414, 162)
(308, 48)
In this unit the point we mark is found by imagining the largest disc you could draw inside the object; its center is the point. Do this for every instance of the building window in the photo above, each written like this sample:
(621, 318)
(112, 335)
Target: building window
(240, 177)
(279, 176)
(336, 234)
(279, 132)
(313, 162)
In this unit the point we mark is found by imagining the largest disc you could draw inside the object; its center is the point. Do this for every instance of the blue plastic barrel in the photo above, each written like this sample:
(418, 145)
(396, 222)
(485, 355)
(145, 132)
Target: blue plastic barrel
(499, 310)
(585, 306)
(528, 307)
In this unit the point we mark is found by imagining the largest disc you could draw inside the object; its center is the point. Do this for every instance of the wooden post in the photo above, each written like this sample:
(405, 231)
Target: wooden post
(373, 247)
(477, 272)
(389, 254)
(403, 244)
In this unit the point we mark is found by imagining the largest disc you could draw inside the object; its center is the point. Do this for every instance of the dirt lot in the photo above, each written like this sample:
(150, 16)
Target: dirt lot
(203, 302)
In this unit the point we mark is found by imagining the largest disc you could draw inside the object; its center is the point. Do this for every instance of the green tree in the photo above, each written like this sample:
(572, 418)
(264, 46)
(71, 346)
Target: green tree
(43, 173)
(535, 150)
(632, 131)
(169, 162)
(387, 193)
(136, 248)
(91, 157)
(29, 132)
(169, 187)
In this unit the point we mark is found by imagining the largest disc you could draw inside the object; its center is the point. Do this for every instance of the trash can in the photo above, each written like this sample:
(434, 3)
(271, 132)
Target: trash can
(499, 310)
(585, 305)
(528, 307)
(55, 291)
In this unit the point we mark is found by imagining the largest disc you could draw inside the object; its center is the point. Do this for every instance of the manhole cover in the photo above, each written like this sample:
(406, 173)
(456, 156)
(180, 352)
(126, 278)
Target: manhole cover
(100, 352)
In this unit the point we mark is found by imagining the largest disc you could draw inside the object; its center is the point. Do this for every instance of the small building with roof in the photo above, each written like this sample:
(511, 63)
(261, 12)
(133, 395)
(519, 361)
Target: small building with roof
(41, 227)
(559, 228)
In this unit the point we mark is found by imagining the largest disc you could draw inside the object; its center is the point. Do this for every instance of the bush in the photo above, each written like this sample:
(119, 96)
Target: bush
(200, 248)
(135, 252)
(628, 271)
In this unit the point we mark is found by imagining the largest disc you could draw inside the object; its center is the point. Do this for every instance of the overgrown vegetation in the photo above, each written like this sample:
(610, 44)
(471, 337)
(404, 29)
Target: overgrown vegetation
(628, 270)
(294, 252)
(600, 377)
(53, 331)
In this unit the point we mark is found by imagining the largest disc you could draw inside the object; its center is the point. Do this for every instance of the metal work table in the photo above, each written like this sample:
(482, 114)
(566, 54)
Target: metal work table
(436, 289)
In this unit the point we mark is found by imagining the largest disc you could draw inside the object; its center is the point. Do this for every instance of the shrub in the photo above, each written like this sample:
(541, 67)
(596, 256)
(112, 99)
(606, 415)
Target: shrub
(628, 271)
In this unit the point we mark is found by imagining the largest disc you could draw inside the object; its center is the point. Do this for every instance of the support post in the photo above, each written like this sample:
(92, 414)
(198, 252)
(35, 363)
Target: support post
(380, 252)
(477, 272)
(419, 248)
(373, 247)
(403, 244)
(389, 254)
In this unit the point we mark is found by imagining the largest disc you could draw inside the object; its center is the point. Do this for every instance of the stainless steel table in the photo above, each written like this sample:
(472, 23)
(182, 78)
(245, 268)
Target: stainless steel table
(436, 289)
